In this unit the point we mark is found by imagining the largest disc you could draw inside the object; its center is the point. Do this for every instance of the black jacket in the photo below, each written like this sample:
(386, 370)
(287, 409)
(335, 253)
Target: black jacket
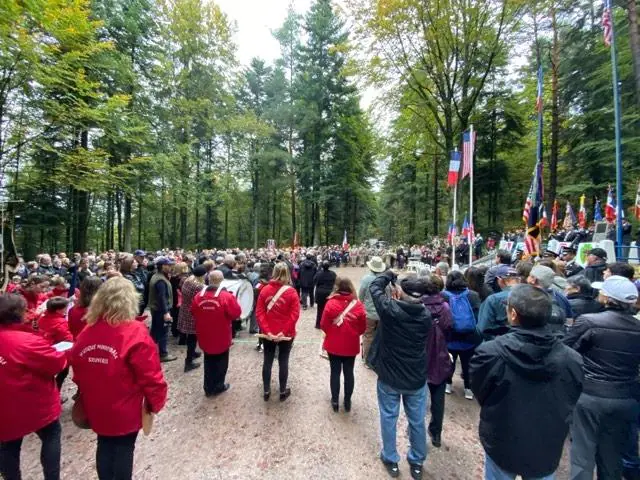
(308, 271)
(582, 304)
(399, 351)
(610, 346)
(324, 281)
(595, 272)
(523, 379)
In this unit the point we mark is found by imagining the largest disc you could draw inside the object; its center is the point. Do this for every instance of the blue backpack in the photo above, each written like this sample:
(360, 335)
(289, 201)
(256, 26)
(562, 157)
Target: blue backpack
(462, 313)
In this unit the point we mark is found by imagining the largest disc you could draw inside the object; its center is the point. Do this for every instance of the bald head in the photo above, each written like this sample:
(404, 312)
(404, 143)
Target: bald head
(215, 278)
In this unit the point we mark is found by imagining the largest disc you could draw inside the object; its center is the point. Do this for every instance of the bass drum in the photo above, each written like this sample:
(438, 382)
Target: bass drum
(243, 291)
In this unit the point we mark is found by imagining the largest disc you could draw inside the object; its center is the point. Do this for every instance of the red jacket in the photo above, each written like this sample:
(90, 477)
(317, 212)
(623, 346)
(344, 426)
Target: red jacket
(54, 327)
(116, 368)
(213, 317)
(33, 302)
(283, 316)
(343, 340)
(30, 399)
(59, 292)
(76, 320)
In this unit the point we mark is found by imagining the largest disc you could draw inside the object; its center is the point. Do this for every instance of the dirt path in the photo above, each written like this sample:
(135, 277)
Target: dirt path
(239, 436)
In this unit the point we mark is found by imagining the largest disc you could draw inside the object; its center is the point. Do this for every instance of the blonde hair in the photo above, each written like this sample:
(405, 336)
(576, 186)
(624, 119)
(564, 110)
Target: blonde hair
(281, 273)
(180, 268)
(116, 301)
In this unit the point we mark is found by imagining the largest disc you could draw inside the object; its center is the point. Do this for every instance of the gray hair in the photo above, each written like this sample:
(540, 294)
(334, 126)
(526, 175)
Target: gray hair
(443, 267)
(582, 283)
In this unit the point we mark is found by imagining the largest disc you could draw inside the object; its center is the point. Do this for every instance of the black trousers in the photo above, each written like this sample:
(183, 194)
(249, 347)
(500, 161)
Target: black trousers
(343, 365)
(599, 435)
(321, 301)
(175, 312)
(437, 393)
(114, 457)
(60, 378)
(465, 358)
(307, 293)
(192, 342)
(49, 454)
(215, 371)
(284, 349)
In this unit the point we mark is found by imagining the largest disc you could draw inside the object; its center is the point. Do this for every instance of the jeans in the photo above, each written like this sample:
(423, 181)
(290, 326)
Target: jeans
(599, 435)
(284, 349)
(192, 342)
(465, 358)
(49, 454)
(215, 371)
(114, 457)
(345, 365)
(494, 472)
(415, 408)
(437, 394)
(159, 332)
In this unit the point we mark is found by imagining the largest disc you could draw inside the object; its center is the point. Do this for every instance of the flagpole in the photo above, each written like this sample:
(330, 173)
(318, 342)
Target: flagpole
(616, 109)
(473, 151)
(455, 214)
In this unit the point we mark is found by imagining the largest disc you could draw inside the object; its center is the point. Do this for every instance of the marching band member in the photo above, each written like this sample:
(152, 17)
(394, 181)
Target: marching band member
(116, 367)
(278, 311)
(214, 310)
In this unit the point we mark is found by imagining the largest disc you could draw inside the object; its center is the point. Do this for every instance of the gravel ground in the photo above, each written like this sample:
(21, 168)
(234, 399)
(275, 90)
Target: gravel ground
(238, 435)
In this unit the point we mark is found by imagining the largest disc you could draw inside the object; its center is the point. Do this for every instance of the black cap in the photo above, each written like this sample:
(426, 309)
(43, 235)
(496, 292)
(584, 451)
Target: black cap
(598, 252)
(413, 287)
(199, 271)
(569, 248)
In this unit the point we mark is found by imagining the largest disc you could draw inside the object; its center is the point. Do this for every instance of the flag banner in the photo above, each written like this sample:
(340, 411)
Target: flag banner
(468, 149)
(454, 168)
(554, 216)
(610, 207)
(637, 206)
(345, 244)
(597, 212)
(465, 227)
(453, 232)
(582, 213)
(606, 23)
(569, 218)
(534, 212)
(544, 221)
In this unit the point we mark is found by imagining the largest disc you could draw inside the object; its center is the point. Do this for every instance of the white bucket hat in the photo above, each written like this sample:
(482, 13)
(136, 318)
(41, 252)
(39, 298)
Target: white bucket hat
(376, 265)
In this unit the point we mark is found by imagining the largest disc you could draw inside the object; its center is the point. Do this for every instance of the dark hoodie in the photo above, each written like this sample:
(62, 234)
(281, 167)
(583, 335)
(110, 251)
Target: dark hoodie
(308, 271)
(527, 384)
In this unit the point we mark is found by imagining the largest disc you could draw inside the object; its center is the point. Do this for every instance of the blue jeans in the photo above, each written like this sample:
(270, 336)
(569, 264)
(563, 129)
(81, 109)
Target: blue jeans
(494, 472)
(415, 408)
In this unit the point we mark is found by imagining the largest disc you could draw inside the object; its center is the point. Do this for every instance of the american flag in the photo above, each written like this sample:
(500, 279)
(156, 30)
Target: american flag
(468, 147)
(606, 23)
(539, 100)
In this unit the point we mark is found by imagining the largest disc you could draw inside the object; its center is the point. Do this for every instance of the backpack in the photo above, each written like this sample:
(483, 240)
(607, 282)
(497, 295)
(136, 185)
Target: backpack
(462, 313)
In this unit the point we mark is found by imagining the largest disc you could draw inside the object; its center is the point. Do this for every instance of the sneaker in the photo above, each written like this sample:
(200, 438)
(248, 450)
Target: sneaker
(468, 394)
(392, 469)
(416, 472)
(258, 347)
(447, 389)
(191, 366)
(267, 395)
(168, 358)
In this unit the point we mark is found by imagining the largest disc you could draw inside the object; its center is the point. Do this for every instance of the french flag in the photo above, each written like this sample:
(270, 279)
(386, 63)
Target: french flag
(610, 208)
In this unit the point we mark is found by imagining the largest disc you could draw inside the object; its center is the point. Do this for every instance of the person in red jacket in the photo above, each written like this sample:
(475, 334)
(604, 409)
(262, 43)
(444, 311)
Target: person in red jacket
(277, 312)
(116, 367)
(29, 401)
(88, 289)
(35, 293)
(214, 310)
(344, 320)
(53, 326)
(59, 287)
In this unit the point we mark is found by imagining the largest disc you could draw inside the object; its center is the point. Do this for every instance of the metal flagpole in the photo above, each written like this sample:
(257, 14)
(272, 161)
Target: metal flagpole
(455, 214)
(616, 109)
(471, 160)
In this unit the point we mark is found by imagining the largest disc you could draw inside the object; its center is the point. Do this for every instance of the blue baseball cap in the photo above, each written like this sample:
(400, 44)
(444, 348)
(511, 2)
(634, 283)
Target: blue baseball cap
(165, 261)
(139, 253)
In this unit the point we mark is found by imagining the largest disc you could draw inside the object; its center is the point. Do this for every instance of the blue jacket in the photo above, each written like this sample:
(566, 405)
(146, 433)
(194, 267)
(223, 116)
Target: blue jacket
(492, 319)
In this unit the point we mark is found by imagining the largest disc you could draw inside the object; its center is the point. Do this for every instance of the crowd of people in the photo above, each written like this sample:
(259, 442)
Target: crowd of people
(545, 348)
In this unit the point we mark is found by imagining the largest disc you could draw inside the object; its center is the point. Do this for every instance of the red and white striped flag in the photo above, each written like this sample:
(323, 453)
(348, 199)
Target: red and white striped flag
(468, 148)
(606, 23)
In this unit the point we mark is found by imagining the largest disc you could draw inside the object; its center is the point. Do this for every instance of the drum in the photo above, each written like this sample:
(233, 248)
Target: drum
(243, 291)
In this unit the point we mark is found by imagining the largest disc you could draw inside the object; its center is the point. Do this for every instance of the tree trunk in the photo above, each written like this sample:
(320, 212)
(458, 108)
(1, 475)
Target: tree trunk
(127, 222)
(555, 109)
(197, 206)
(119, 218)
(162, 215)
(435, 194)
(294, 228)
(254, 206)
(634, 40)
(83, 204)
(140, 216)
(174, 221)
